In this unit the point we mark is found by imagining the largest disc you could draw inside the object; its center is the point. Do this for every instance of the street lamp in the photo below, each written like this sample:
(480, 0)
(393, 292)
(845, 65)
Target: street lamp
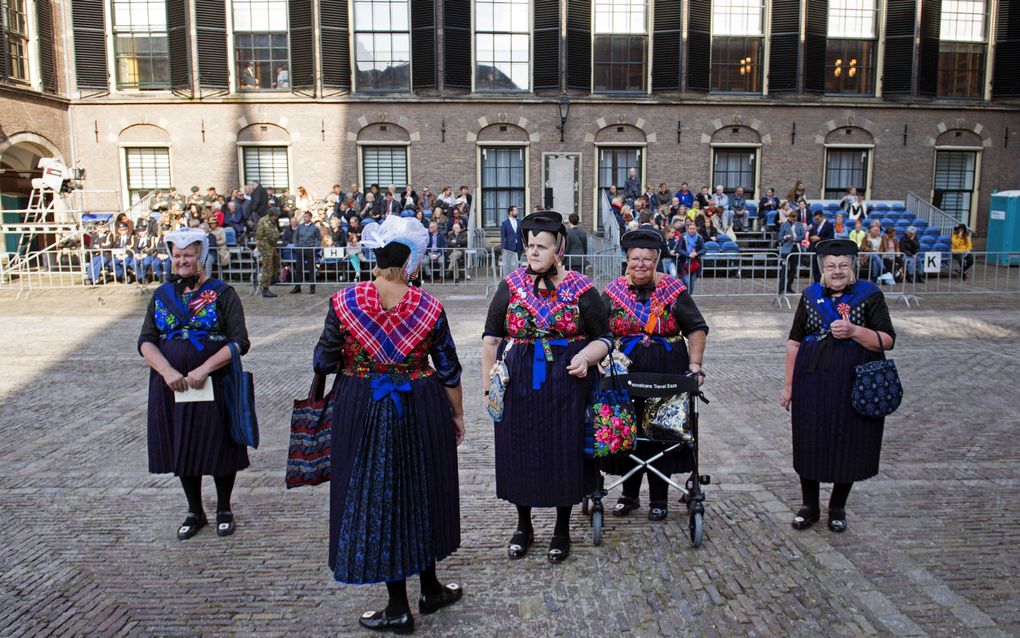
(564, 108)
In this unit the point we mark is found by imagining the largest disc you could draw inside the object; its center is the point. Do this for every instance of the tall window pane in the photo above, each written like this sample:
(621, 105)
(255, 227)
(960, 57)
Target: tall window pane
(261, 45)
(140, 44)
(737, 40)
(614, 166)
(266, 165)
(502, 45)
(384, 165)
(382, 45)
(954, 182)
(147, 169)
(962, 43)
(503, 183)
(850, 47)
(845, 168)
(16, 28)
(735, 167)
(620, 47)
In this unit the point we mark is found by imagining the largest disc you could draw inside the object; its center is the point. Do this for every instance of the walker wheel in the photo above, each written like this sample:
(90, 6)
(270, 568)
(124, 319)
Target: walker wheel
(585, 505)
(697, 525)
(596, 527)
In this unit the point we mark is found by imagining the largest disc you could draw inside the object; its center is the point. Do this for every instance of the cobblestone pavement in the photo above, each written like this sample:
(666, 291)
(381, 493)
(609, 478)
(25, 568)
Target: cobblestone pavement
(89, 546)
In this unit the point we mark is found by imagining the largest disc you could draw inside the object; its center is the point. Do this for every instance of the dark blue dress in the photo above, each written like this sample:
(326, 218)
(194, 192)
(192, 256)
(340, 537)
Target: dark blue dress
(832, 442)
(193, 439)
(394, 493)
(540, 440)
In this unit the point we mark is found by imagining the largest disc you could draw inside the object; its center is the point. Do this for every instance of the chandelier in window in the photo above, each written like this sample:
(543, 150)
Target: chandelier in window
(851, 68)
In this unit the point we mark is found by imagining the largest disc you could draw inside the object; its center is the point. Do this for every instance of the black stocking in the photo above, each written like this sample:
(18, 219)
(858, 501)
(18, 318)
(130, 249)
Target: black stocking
(430, 584)
(840, 492)
(658, 490)
(809, 489)
(193, 491)
(563, 521)
(397, 589)
(632, 486)
(224, 488)
(524, 518)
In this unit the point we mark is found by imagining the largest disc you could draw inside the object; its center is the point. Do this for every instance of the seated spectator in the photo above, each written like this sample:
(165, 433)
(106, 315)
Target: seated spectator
(427, 199)
(913, 260)
(336, 232)
(871, 247)
(434, 252)
(663, 196)
(796, 195)
(704, 198)
(219, 236)
(858, 233)
(889, 247)
(962, 246)
(354, 254)
(674, 208)
(839, 229)
(739, 207)
(685, 196)
(768, 203)
(456, 241)
(708, 230)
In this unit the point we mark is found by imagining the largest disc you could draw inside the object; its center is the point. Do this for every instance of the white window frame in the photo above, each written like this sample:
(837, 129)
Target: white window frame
(240, 159)
(352, 39)
(232, 75)
(596, 166)
(361, 163)
(730, 146)
(477, 199)
(975, 196)
(868, 148)
(111, 55)
(531, 53)
(648, 33)
(122, 151)
(766, 39)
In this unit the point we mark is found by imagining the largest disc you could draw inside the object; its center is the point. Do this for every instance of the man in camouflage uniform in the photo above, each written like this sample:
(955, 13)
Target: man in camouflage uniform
(267, 233)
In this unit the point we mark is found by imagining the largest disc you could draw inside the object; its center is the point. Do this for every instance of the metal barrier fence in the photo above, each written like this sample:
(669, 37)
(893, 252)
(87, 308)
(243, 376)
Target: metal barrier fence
(910, 278)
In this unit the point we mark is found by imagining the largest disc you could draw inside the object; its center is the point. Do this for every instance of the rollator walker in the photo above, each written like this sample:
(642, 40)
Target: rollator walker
(649, 386)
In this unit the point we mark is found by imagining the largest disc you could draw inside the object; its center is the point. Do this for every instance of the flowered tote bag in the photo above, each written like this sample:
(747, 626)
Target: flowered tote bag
(611, 424)
(877, 390)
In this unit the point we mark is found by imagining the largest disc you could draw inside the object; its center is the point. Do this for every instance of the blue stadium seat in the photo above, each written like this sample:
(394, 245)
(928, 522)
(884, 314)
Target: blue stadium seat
(816, 206)
(771, 217)
(722, 239)
(833, 206)
(941, 247)
(231, 235)
(730, 247)
(881, 206)
(920, 224)
(903, 223)
(898, 206)
(712, 247)
(932, 232)
(887, 222)
(944, 239)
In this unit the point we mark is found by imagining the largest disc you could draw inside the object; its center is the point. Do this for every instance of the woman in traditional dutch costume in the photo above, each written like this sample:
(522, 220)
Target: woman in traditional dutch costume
(394, 495)
(188, 323)
(650, 315)
(837, 327)
(548, 326)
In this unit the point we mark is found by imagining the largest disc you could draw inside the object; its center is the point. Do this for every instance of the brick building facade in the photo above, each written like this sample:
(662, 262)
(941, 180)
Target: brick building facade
(888, 95)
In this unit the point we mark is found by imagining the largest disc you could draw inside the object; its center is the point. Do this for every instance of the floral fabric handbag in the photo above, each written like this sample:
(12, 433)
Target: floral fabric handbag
(611, 424)
(499, 378)
(667, 418)
(877, 390)
(308, 456)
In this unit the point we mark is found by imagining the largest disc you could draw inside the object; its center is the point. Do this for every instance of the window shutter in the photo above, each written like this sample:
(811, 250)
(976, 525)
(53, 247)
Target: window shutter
(456, 44)
(898, 69)
(177, 39)
(4, 63)
(928, 57)
(699, 45)
(423, 44)
(545, 68)
(784, 50)
(211, 32)
(1006, 73)
(90, 70)
(47, 61)
(302, 47)
(334, 25)
(579, 45)
(666, 45)
(816, 29)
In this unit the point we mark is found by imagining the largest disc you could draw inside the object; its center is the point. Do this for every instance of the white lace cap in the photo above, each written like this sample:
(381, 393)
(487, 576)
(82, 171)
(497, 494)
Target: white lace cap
(185, 237)
(405, 230)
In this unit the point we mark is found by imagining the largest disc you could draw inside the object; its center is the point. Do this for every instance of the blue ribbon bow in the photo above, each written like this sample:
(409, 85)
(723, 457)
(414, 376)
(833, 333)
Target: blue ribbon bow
(633, 340)
(190, 335)
(538, 366)
(387, 385)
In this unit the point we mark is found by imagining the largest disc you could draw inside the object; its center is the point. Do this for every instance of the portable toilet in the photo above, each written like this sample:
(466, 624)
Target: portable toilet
(1004, 229)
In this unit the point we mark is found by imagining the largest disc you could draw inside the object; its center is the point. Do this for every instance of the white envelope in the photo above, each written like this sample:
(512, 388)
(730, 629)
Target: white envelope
(190, 395)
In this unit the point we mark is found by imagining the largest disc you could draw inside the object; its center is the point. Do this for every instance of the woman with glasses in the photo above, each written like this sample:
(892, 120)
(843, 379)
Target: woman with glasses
(837, 327)
(650, 315)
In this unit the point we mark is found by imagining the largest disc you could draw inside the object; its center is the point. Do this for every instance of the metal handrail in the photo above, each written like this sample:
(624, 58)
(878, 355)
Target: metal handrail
(931, 213)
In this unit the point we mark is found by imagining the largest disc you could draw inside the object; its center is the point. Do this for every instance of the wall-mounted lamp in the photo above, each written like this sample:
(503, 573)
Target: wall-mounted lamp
(442, 130)
(564, 110)
(679, 130)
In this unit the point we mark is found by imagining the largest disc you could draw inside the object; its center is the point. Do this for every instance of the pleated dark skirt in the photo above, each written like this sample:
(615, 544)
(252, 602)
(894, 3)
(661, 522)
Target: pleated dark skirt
(655, 358)
(191, 439)
(394, 492)
(540, 441)
(832, 443)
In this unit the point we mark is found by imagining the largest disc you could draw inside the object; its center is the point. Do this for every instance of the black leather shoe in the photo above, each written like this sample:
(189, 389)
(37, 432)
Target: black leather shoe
(191, 525)
(431, 603)
(559, 549)
(295, 290)
(379, 621)
(519, 544)
(837, 521)
(224, 523)
(805, 518)
(657, 511)
(625, 505)
(268, 294)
